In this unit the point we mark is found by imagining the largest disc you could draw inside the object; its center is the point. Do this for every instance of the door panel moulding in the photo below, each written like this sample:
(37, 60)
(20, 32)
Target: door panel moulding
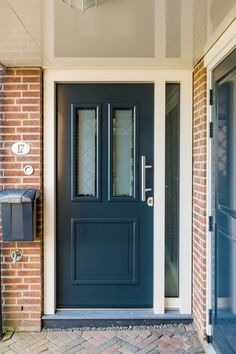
(159, 78)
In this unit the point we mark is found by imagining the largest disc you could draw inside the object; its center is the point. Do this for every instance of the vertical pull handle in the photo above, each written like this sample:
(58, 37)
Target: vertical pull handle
(143, 178)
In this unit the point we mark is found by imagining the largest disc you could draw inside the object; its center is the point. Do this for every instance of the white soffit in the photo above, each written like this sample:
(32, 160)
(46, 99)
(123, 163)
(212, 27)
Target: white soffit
(211, 19)
(118, 34)
(20, 32)
(119, 28)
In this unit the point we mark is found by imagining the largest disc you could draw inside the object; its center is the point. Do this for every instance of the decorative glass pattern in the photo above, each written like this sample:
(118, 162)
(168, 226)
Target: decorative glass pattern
(224, 130)
(123, 149)
(86, 146)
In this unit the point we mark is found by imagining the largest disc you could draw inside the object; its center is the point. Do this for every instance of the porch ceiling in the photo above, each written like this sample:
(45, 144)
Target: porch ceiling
(121, 33)
(20, 32)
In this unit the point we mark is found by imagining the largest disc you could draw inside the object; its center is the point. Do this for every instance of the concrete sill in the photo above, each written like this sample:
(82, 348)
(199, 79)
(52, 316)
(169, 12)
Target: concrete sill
(106, 318)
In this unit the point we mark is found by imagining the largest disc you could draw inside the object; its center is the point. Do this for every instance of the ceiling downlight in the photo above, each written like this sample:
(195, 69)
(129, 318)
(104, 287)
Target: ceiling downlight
(83, 5)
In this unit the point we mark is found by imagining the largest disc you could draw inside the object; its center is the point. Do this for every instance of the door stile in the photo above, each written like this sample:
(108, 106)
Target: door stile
(159, 200)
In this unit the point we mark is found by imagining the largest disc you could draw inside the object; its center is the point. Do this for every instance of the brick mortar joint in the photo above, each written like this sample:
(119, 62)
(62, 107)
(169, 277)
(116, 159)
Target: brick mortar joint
(23, 79)
(199, 219)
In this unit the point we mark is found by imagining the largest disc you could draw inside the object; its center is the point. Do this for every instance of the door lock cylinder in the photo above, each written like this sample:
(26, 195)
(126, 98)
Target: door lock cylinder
(150, 201)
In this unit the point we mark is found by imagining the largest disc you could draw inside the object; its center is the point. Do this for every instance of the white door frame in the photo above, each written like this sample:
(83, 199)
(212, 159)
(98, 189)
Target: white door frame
(222, 48)
(159, 78)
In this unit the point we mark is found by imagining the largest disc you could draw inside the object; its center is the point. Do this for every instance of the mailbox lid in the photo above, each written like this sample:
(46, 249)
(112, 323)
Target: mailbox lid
(18, 196)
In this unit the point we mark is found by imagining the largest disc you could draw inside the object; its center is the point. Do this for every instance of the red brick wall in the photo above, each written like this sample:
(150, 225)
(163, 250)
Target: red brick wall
(199, 197)
(21, 119)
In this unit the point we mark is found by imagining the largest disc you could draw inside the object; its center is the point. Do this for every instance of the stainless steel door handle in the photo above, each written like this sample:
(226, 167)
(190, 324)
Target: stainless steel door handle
(143, 178)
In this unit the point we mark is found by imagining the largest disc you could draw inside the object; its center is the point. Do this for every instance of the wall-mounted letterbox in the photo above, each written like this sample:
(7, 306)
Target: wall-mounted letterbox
(19, 210)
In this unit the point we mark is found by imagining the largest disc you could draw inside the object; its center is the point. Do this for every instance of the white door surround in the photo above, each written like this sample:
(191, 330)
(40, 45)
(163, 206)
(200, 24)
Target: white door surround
(159, 78)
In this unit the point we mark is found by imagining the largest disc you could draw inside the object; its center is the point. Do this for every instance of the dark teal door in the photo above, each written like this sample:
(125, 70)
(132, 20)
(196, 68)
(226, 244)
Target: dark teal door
(104, 225)
(224, 250)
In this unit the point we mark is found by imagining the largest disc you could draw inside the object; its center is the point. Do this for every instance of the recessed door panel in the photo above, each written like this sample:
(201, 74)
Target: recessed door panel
(104, 251)
(104, 229)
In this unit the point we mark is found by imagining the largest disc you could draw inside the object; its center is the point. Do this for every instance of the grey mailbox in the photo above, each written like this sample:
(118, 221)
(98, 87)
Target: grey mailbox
(19, 214)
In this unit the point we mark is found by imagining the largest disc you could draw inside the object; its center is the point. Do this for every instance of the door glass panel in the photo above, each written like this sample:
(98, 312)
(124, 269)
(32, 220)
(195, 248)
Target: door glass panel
(222, 153)
(172, 190)
(225, 214)
(225, 141)
(123, 152)
(86, 151)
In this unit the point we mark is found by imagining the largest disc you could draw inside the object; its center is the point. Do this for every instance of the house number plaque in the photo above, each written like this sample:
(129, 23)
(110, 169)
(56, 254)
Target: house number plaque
(20, 148)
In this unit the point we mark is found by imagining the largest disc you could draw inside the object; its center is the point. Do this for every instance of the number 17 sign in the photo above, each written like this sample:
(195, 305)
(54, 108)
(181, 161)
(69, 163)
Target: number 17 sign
(20, 148)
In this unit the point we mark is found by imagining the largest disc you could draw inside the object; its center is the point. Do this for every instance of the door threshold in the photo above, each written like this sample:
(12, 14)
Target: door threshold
(112, 318)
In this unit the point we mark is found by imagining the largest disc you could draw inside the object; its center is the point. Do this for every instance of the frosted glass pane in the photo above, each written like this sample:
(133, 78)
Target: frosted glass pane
(123, 152)
(86, 152)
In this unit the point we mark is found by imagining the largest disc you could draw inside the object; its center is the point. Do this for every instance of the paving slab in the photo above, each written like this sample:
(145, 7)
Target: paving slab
(169, 339)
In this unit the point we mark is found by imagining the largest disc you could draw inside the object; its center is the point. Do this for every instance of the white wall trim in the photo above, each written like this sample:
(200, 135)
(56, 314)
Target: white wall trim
(209, 208)
(225, 44)
(159, 78)
(185, 206)
(172, 303)
(221, 49)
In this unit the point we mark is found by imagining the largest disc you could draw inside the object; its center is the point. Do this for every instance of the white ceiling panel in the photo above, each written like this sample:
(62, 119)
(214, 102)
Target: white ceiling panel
(118, 28)
(119, 34)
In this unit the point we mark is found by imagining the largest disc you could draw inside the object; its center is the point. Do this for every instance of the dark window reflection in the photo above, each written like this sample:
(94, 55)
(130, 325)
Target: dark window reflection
(172, 190)
(225, 199)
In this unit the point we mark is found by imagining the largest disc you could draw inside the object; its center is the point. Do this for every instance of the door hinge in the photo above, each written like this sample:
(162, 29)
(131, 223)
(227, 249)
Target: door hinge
(210, 223)
(210, 317)
(211, 97)
(211, 129)
(209, 339)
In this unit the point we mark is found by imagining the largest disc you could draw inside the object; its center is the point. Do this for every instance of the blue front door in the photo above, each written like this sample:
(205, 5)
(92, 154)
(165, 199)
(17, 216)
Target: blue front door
(224, 243)
(104, 224)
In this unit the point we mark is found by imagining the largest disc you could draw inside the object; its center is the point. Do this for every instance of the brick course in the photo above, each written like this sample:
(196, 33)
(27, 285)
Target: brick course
(21, 119)
(199, 196)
